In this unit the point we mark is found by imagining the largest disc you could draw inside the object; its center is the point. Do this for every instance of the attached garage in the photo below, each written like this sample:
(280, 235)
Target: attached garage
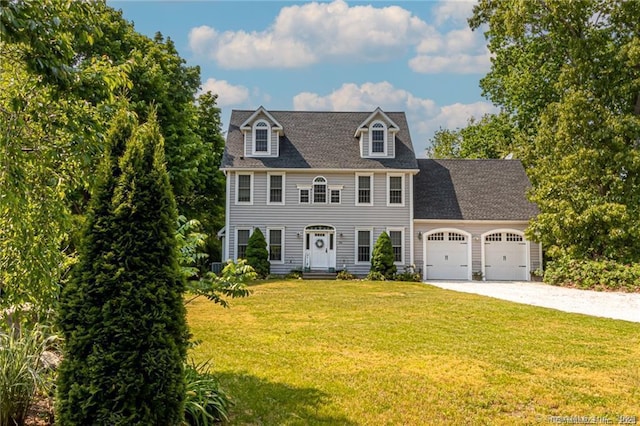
(505, 256)
(447, 256)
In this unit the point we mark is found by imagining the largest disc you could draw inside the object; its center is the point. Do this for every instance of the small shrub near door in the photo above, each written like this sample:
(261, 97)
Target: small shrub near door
(382, 260)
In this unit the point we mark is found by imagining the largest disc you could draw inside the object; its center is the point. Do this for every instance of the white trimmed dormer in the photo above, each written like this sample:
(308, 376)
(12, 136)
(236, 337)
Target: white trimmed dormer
(261, 134)
(377, 136)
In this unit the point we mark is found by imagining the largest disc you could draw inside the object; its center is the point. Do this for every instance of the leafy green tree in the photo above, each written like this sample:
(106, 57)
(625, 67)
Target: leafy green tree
(191, 130)
(568, 74)
(257, 254)
(382, 258)
(122, 314)
(47, 146)
(490, 137)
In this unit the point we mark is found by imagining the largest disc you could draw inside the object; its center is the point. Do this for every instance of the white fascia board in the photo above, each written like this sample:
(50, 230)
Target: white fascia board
(378, 110)
(470, 222)
(274, 170)
(247, 123)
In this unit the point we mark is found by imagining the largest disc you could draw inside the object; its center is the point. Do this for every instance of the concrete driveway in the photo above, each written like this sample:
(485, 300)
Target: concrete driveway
(621, 306)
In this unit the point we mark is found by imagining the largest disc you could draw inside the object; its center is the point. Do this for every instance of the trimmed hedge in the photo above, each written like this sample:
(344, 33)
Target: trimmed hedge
(594, 274)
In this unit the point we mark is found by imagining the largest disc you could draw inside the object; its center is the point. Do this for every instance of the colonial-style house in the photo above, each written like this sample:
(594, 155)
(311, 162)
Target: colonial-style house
(322, 186)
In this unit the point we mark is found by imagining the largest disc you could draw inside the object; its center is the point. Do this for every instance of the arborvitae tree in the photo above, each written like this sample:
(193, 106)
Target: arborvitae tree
(122, 314)
(257, 254)
(383, 258)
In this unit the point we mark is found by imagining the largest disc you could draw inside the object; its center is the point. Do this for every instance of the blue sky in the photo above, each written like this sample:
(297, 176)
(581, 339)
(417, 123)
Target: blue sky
(414, 56)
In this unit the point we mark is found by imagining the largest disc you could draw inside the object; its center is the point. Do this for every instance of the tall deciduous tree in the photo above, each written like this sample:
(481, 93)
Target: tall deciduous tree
(568, 73)
(490, 137)
(122, 315)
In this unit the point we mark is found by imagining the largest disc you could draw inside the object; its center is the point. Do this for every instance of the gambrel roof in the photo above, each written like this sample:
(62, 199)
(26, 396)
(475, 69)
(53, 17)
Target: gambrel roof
(472, 190)
(318, 140)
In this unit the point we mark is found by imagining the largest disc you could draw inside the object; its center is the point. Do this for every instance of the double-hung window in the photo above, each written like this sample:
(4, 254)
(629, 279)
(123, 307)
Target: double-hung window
(363, 245)
(276, 188)
(319, 190)
(276, 246)
(395, 235)
(378, 131)
(364, 189)
(242, 241)
(261, 137)
(395, 190)
(244, 188)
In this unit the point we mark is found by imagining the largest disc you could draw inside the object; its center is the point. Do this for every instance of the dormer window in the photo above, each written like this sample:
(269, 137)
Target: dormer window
(261, 137)
(377, 138)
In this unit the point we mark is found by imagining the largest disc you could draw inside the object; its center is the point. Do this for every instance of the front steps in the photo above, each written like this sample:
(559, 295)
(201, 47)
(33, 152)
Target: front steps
(319, 275)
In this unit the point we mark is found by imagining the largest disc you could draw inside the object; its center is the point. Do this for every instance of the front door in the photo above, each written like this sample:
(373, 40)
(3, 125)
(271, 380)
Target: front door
(320, 255)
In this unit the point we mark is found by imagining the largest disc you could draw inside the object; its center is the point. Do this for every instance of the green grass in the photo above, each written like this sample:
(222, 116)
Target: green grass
(343, 352)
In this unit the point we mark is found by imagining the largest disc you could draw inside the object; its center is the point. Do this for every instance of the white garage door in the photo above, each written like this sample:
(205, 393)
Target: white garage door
(505, 257)
(447, 256)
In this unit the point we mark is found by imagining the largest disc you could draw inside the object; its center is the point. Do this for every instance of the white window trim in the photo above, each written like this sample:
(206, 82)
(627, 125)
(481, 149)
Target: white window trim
(401, 230)
(238, 229)
(358, 203)
(356, 261)
(253, 139)
(244, 203)
(385, 131)
(389, 176)
(338, 188)
(269, 174)
(304, 187)
(282, 240)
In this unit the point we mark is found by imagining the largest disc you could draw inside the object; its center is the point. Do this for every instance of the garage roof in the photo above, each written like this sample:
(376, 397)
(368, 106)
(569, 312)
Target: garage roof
(472, 190)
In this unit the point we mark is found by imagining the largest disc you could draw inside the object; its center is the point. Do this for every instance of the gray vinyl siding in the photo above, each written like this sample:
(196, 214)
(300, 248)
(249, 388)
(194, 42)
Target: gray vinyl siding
(294, 217)
(476, 229)
(248, 143)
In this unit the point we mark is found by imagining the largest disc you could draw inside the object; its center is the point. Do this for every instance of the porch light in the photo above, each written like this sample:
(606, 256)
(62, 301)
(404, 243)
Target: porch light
(419, 235)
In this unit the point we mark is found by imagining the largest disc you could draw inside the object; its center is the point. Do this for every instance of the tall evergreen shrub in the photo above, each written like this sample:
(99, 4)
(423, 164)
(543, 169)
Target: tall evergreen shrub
(122, 314)
(257, 254)
(382, 258)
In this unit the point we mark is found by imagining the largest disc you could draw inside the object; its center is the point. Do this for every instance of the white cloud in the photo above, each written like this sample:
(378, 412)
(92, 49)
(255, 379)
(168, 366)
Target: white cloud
(423, 115)
(306, 34)
(457, 64)
(228, 94)
(453, 11)
(460, 51)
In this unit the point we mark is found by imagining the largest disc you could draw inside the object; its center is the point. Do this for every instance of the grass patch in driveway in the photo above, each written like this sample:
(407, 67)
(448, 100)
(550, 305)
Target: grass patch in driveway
(359, 352)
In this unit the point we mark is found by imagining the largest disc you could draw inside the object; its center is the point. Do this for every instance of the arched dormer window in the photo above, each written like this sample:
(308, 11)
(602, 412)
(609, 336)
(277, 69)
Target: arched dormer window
(261, 137)
(378, 138)
(319, 190)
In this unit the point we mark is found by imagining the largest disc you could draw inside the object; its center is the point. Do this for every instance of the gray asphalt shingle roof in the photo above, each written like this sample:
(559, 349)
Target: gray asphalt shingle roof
(318, 140)
(472, 190)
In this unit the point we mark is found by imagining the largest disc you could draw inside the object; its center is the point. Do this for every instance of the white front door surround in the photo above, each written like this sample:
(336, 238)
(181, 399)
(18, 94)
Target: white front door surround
(319, 247)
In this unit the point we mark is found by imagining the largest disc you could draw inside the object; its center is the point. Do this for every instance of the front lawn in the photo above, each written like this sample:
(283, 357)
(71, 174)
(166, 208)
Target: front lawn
(357, 352)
